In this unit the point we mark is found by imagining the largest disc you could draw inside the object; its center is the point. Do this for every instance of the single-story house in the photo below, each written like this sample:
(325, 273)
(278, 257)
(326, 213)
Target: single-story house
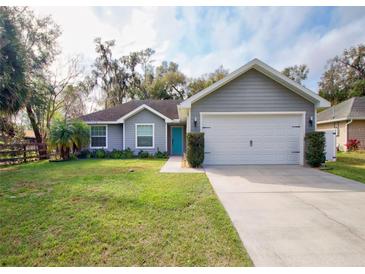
(255, 115)
(348, 119)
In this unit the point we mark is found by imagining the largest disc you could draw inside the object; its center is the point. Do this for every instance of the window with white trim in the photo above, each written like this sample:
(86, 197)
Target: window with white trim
(144, 135)
(98, 136)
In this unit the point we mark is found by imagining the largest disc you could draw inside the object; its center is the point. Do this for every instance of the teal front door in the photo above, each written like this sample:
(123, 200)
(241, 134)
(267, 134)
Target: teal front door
(177, 141)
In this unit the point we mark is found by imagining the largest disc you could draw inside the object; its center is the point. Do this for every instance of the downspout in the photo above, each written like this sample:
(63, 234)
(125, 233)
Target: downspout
(347, 131)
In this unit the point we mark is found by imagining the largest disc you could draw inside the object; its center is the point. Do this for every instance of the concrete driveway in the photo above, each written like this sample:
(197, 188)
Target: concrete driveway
(294, 216)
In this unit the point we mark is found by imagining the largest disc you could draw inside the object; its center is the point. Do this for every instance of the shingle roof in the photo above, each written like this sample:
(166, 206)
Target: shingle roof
(165, 107)
(353, 108)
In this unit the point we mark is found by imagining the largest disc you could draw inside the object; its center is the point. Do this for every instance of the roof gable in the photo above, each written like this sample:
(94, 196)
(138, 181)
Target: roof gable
(266, 70)
(139, 109)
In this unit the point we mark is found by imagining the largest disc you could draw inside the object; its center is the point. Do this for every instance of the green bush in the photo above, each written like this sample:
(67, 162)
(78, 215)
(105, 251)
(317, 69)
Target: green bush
(116, 154)
(143, 154)
(84, 154)
(100, 154)
(127, 154)
(315, 148)
(161, 155)
(195, 149)
(73, 157)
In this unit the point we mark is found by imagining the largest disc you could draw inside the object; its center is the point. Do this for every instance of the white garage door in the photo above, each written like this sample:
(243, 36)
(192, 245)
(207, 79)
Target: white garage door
(234, 139)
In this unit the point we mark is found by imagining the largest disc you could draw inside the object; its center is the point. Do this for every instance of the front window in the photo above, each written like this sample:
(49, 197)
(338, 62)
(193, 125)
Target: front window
(144, 135)
(98, 136)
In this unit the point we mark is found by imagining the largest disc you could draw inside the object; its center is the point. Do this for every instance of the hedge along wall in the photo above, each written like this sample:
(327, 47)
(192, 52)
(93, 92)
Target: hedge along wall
(315, 148)
(195, 148)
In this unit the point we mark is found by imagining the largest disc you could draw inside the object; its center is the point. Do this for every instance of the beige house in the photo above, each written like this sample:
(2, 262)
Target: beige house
(348, 118)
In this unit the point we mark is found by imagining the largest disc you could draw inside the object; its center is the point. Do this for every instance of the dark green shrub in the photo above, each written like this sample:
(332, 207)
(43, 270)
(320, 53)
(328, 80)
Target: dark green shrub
(315, 146)
(127, 154)
(93, 154)
(143, 154)
(84, 154)
(116, 154)
(161, 155)
(195, 149)
(73, 157)
(100, 153)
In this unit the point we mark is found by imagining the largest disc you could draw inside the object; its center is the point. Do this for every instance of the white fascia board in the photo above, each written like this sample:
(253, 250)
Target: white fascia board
(268, 71)
(139, 109)
(331, 121)
(174, 121)
(101, 122)
(340, 120)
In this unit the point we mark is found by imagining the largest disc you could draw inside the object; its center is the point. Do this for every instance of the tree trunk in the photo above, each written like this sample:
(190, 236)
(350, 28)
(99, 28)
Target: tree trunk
(41, 148)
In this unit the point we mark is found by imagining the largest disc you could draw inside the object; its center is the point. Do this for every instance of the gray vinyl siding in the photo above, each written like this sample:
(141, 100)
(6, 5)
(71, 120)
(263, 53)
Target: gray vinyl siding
(145, 116)
(114, 136)
(252, 92)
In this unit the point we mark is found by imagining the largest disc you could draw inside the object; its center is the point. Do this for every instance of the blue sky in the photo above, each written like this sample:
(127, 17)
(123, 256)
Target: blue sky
(200, 39)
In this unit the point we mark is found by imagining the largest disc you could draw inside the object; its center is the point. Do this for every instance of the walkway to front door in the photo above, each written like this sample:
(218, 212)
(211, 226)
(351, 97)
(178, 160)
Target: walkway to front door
(174, 165)
(177, 140)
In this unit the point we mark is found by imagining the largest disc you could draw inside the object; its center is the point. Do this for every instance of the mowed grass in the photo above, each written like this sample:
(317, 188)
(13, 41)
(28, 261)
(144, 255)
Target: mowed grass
(350, 165)
(97, 213)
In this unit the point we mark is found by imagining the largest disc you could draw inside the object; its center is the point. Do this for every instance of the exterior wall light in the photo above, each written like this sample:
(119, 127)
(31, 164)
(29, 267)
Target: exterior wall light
(195, 121)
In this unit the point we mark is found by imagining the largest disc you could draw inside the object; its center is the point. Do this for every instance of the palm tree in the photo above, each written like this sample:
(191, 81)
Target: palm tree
(60, 137)
(81, 135)
(68, 135)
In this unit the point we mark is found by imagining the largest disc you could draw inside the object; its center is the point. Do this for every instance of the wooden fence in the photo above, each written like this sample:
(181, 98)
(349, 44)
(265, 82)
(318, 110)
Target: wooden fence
(22, 153)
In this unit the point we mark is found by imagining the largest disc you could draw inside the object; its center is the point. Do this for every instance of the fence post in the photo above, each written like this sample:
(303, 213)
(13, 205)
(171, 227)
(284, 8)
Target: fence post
(25, 153)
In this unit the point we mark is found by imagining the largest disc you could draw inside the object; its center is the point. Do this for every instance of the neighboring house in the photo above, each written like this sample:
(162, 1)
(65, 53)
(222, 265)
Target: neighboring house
(348, 119)
(29, 136)
(255, 115)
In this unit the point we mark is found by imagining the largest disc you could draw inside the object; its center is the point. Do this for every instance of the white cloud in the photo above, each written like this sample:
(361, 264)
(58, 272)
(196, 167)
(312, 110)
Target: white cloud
(80, 26)
(315, 50)
(281, 36)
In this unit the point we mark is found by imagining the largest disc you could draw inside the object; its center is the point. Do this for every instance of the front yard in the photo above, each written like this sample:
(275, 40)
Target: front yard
(349, 165)
(97, 212)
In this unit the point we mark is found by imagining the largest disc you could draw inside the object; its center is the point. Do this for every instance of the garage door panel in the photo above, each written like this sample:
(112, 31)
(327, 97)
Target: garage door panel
(275, 139)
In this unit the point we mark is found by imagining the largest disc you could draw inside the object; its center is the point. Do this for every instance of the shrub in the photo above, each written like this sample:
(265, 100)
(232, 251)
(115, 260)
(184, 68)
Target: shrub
(116, 154)
(93, 154)
(195, 149)
(100, 153)
(73, 157)
(127, 154)
(352, 144)
(84, 154)
(161, 155)
(143, 154)
(315, 144)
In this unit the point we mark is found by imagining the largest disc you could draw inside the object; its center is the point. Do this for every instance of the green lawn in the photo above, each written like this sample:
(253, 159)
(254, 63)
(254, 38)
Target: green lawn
(96, 212)
(349, 165)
